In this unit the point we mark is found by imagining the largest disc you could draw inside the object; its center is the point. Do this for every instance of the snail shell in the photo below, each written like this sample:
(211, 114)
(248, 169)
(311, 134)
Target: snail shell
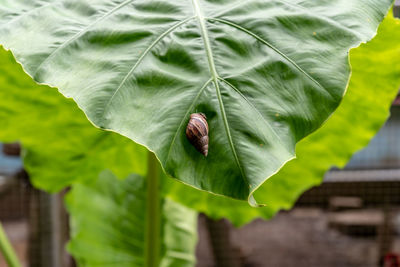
(197, 132)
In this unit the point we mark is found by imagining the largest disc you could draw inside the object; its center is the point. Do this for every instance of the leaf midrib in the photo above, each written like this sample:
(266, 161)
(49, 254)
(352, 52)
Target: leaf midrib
(215, 77)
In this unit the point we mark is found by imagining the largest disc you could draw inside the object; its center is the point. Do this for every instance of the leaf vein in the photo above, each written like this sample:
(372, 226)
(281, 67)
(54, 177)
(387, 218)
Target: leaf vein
(285, 2)
(232, 24)
(254, 107)
(322, 17)
(33, 10)
(81, 33)
(186, 114)
(140, 59)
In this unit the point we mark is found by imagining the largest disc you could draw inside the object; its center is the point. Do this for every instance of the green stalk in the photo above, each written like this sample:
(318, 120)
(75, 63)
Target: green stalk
(152, 249)
(7, 250)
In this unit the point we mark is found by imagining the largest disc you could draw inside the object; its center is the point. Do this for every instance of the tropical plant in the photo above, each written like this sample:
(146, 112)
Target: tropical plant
(265, 75)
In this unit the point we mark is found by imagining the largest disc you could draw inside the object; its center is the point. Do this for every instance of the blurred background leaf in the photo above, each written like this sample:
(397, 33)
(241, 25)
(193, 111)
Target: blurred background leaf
(61, 145)
(108, 219)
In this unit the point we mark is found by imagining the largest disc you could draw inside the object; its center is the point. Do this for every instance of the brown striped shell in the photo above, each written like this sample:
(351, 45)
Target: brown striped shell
(197, 132)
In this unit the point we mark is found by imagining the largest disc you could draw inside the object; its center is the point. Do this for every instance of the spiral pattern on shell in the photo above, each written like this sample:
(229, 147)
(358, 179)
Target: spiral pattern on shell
(197, 132)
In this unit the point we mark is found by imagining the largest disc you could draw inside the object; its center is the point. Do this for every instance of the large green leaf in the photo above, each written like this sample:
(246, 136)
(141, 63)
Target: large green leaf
(266, 73)
(61, 145)
(373, 86)
(108, 219)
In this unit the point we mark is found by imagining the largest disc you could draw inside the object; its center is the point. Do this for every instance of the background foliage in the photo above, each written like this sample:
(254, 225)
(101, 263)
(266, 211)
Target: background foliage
(108, 221)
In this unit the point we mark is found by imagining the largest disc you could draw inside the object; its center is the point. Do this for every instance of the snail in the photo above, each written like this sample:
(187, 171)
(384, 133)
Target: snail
(197, 132)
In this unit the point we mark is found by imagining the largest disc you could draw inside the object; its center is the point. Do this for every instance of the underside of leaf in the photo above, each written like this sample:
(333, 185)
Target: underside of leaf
(265, 73)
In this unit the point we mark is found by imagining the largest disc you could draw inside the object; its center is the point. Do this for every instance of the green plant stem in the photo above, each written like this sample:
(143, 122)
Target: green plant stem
(152, 249)
(7, 250)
